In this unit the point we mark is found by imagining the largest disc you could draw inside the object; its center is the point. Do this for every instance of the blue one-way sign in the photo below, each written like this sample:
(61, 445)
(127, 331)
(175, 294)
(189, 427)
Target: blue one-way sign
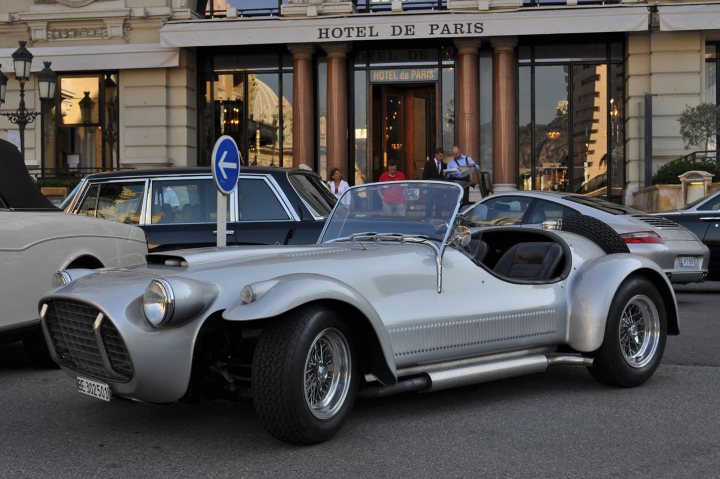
(225, 164)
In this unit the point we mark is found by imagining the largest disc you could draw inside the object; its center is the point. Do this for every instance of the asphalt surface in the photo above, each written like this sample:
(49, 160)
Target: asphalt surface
(561, 424)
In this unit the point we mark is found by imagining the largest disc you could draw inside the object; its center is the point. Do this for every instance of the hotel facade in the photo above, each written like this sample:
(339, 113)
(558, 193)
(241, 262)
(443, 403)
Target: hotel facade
(576, 96)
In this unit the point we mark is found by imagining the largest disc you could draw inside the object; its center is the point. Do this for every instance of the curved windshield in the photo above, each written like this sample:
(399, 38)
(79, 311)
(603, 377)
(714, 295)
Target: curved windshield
(401, 208)
(70, 197)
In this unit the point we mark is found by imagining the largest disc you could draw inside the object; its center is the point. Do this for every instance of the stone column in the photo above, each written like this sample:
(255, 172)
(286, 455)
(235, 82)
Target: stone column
(505, 160)
(337, 101)
(303, 130)
(467, 116)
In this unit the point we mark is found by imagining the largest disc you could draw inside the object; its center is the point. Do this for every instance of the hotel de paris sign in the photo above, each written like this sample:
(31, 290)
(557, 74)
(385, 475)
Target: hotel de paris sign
(265, 31)
(407, 30)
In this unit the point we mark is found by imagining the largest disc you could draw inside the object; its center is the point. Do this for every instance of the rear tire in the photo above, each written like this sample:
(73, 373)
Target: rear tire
(304, 378)
(635, 336)
(598, 231)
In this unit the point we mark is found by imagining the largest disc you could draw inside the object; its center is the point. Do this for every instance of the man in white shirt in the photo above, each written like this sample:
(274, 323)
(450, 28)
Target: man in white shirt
(459, 170)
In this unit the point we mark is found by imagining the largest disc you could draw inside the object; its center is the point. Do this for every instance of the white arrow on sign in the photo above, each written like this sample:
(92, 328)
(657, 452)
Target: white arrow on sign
(223, 164)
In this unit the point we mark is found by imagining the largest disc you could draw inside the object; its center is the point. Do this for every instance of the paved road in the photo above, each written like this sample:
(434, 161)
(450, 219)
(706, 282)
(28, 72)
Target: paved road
(561, 424)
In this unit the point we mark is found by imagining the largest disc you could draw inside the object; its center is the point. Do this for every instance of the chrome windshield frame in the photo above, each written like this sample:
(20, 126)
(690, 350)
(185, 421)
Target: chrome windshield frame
(437, 246)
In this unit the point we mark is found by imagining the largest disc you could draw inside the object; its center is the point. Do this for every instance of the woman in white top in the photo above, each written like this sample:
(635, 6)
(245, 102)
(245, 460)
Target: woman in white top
(337, 185)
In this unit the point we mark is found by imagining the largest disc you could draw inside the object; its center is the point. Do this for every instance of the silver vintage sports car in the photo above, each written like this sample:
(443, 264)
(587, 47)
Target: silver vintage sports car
(396, 296)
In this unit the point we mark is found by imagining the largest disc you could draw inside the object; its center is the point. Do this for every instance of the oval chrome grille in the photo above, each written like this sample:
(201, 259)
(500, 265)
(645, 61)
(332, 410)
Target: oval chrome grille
(70, 325)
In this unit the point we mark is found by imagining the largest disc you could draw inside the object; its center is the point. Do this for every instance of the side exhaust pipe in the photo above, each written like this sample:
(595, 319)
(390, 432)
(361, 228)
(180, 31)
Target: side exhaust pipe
(453, 377)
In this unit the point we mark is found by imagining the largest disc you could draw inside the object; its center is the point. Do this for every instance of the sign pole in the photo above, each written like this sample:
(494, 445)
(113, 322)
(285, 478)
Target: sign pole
(226, 171)
(221, 240)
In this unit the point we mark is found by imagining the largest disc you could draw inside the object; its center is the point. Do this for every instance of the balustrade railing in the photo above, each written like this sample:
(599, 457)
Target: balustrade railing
(262, 8)
(700, 156)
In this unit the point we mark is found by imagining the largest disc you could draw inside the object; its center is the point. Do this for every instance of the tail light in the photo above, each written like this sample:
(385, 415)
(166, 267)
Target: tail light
(646, 237)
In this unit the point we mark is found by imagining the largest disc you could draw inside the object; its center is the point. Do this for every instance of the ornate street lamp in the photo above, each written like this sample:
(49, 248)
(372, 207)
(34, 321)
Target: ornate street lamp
(86, 108)
(47, 81)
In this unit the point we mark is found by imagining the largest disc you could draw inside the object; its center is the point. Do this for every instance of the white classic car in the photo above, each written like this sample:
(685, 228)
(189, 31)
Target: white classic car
(38, 239)
(396, 296)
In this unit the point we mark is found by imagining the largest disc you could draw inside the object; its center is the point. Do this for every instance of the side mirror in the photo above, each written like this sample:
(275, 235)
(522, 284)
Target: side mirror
(461, 236)
(552, 225)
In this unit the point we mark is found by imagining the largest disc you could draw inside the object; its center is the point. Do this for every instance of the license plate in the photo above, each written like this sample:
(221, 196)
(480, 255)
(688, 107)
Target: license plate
(687, 262)
(94, 388)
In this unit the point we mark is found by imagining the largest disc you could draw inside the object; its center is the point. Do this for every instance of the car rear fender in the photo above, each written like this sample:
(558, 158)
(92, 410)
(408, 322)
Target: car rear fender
(592, 292)
(282, 294)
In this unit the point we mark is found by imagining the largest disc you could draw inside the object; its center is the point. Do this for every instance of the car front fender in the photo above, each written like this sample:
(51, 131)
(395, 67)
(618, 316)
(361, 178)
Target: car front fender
(285, 293)
(591, 293)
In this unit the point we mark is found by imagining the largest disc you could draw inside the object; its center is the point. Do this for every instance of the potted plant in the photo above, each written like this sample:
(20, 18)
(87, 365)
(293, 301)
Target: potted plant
(699, 125)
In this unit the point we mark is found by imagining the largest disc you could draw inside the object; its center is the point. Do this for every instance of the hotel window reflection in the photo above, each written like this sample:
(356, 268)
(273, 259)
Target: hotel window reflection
(248, 97)
(570, 121)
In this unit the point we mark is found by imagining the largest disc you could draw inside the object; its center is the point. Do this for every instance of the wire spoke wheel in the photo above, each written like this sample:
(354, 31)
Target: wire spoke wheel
(305, 375)
(635, 335)
(327, 373)
(639, 331)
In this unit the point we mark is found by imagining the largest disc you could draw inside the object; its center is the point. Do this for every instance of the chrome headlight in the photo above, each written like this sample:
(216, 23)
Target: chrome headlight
(158, 302)
(60, 278)
(252, 292)
(247, 294)
(67, 276)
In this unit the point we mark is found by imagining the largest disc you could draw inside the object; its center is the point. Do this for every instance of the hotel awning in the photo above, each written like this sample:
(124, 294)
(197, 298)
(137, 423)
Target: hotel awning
(368, 27)
(98, 57)
(705, 16)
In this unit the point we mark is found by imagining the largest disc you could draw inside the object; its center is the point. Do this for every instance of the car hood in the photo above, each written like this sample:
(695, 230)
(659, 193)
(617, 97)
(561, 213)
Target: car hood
(380, 267)
(236, 255)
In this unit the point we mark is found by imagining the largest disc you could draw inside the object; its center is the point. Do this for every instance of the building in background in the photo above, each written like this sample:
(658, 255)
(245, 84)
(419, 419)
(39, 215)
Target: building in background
(545, 95)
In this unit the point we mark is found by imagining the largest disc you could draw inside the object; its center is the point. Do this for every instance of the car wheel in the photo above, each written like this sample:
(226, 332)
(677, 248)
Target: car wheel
(635, 336)
(304, 377)
(598, 231)
(37, 349)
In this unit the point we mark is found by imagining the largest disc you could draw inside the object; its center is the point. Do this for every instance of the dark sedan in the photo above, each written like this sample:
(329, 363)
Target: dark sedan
(177, 206)
(702, 217)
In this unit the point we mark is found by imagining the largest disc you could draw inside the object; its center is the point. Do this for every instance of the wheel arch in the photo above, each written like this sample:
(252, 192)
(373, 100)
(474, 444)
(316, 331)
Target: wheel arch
(590, 305)
(367, 343)
(292, 292)
(85, 261)
(668, 295)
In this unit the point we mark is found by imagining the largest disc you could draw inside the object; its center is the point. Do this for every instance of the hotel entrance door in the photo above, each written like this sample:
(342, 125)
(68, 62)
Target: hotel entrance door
(403, 127)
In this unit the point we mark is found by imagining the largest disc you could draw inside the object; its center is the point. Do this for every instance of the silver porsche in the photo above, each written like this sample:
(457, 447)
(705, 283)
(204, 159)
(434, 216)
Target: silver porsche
(396, 296)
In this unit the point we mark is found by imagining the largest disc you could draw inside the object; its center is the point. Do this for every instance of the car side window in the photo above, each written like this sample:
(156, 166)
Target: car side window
(712, 205)
(548, 211)
(88, 207)
(183, 201)
(258, 202)
(314, 193)
(504, 210)
(116, 201)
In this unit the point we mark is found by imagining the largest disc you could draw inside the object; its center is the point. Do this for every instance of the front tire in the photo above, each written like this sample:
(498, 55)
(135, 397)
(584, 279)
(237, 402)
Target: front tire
(635, 336)
(304, 377)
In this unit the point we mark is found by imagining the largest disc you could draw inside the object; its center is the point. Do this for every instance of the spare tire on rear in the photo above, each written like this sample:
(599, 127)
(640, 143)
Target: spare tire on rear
(596, 230)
